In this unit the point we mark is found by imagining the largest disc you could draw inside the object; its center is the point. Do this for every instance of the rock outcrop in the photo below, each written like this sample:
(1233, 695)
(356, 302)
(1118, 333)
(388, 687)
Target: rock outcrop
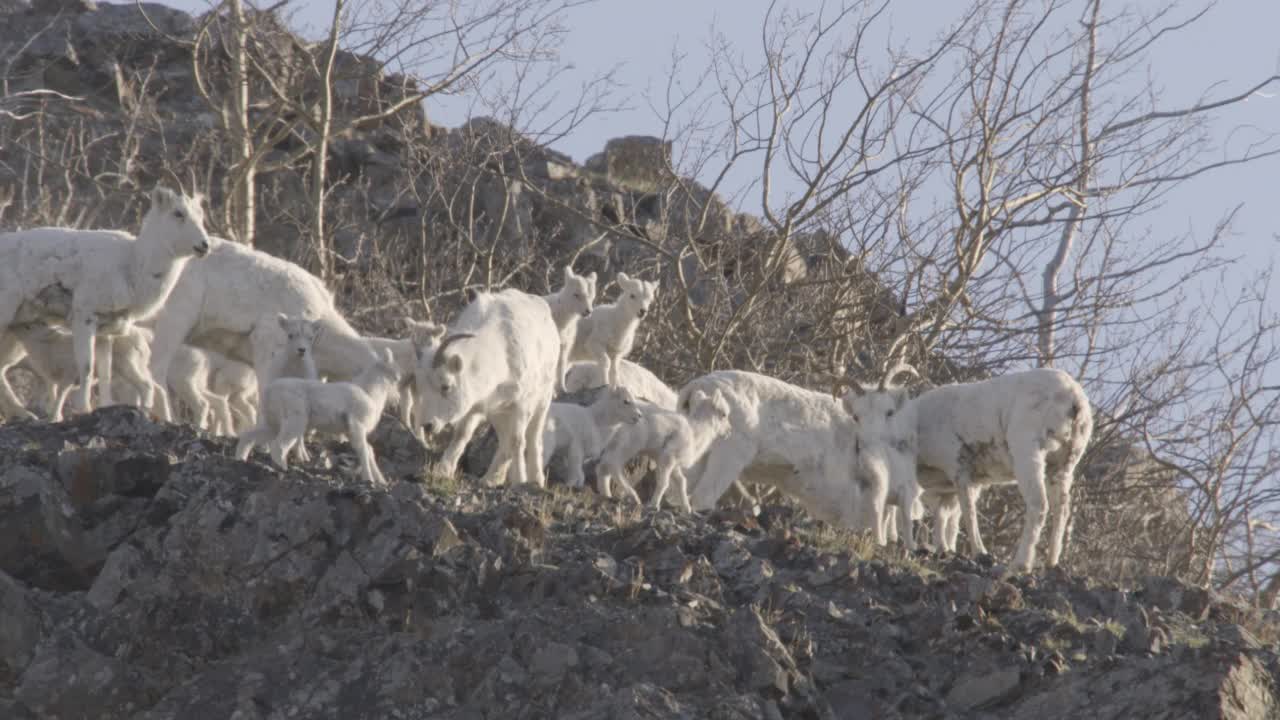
(147, 574)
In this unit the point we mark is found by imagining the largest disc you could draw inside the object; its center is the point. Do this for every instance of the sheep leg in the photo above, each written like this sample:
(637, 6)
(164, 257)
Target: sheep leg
(84, 328)
(969, 494)
(725, 462)
(462, 433)
(906, 530)
(253, 436)
(292, 429)
(1061, 503)
(161, 398)
(221, 413)
(189, 391)
(103, 351)
(508, 433)
(575, 458)
(662, 482)
(11, 351)
(1029, 468)
(533, 467)
(59, 402)
(682, 488)
(368, 465)
(610, 365)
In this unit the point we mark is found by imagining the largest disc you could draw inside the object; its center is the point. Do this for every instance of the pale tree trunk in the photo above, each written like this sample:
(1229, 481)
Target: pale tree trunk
(240, 206)
(319, 160)
(1048, 314)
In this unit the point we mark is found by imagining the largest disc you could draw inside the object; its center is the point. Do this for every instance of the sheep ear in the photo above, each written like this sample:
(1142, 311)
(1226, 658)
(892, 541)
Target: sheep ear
(283, 320)
(161, 196)
(388, 356)
(623, 278)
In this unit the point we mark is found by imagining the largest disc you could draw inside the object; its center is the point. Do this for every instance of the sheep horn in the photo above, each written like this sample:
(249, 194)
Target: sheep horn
(900, 367)
(438, 360)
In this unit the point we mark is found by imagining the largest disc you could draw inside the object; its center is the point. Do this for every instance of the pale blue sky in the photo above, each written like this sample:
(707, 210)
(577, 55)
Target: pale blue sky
(1234, 45)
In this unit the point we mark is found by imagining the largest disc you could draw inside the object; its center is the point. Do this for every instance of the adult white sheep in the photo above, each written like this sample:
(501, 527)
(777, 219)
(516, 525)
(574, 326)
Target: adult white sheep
(229, 302)
(633, 376)
(97, 281)
(1028, 427)
(673, 441)
(569, 305)
(788, 437)
(581, 432)
(609, 333)
(292, 406)
(499, 360)
(885, 423)
(51, 357)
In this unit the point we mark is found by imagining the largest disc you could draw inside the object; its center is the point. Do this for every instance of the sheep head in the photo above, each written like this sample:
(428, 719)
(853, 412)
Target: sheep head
(616, 406)
(176, 221)
(300, 333)
(636, 295)
(579, 291)
(443, 388)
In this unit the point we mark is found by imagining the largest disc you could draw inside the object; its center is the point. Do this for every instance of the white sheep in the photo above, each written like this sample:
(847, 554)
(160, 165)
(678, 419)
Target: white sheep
(1028, 427)
(229, 302)
(292, 406)
(788, 437)
(498, 360)
(581, 431)
(609, 333)
(405, 354)
(191, 382)
(569, 305)
(235, 381)
(633, 376)
(885, 458)
(50, 355)
(97, 281)
(672, 440)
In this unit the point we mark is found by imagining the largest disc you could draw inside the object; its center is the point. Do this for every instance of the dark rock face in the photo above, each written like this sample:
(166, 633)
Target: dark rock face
(147, 574)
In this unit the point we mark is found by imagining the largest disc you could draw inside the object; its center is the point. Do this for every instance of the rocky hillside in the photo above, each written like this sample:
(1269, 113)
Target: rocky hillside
(148, 575)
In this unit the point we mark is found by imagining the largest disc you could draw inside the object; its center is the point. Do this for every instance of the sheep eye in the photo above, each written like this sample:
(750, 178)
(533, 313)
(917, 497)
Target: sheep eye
(889, 414)
(855, 419)
(444, 389)
(178, 214)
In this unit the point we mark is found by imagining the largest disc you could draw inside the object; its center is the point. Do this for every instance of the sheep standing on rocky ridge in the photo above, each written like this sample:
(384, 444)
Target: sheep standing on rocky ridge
(49, 354)
(498, 360)
(1028, 427)
(582, 431)
(609, 333)
(96, 282)
(797, 440)
(672, 440)
(406, 355)
(229, 302)
(569, 305)
(292, 406)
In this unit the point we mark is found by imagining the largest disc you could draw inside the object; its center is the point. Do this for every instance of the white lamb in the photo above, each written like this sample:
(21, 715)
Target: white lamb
(608, 335)
(569, 305)
(291, 406)
(1026, 427)
(633, 376)
(50, 355)
(791, 438)
(96, 281)
(499, 360)
(405, 354)
(229, 302)
(205, 381)
(582, 431)
(672, 440)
